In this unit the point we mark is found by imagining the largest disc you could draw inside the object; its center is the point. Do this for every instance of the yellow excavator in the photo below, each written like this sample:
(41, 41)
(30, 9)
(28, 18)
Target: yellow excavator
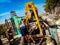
(32, 13)
(32, 16)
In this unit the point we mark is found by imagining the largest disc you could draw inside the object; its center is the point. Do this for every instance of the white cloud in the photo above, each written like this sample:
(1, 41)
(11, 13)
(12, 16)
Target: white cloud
(21, 12)
(7, 15)
(40, 8)
(2, 1)
(1, 21)
(4, 14)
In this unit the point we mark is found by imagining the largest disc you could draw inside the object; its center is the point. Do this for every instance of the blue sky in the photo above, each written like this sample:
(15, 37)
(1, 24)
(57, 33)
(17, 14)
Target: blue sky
(17, 5)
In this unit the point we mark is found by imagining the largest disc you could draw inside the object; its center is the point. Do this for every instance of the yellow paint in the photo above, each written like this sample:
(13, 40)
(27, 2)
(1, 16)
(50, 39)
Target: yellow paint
(33, 8)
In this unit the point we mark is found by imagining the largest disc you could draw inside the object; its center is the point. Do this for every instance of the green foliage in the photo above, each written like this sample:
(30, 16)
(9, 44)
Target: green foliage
(51, 4)
(3, 28)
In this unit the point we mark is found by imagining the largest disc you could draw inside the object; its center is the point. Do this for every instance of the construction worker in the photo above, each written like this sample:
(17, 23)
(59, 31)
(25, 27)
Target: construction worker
(24, 32)
(16, 21)
(9, 34)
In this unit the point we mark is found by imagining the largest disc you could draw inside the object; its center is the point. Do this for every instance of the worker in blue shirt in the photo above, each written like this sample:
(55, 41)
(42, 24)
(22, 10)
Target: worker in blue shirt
(24, 32)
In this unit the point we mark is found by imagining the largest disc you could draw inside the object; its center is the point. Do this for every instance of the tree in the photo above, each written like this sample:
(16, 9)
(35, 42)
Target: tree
(3, 28)
(51, 4)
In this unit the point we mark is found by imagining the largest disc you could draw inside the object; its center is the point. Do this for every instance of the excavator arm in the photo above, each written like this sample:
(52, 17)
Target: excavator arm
(32, 8)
